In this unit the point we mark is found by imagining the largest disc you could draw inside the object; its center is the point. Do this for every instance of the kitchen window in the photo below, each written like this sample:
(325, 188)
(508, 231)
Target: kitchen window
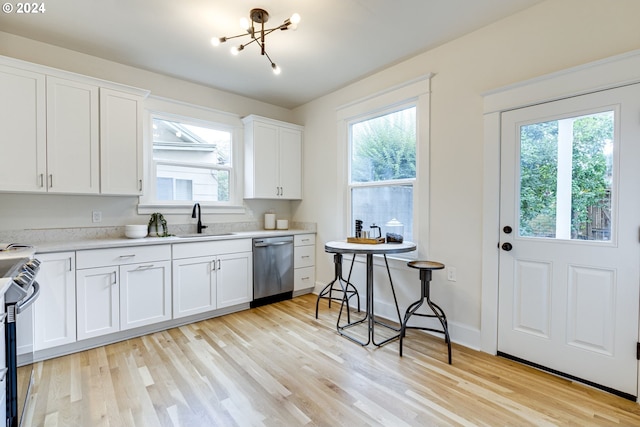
(192, 156)
(192, 161)
(382, 166)
(385, 160)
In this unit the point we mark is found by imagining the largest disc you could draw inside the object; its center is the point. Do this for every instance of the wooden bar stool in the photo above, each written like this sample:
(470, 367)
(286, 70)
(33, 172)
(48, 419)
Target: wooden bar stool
(426, 267)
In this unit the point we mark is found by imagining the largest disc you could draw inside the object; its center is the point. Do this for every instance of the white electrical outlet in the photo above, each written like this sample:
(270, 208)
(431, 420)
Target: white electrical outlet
(96, 216)
(451, 274)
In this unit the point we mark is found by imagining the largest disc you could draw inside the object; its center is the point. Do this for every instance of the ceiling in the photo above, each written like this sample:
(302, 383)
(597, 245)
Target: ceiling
(337, 41)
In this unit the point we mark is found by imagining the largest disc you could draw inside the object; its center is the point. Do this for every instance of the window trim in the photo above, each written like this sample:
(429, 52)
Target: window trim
(157, 107)
(414, 92)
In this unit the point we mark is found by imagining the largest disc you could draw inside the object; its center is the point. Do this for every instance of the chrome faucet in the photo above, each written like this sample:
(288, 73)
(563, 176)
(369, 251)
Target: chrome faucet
(199, 216)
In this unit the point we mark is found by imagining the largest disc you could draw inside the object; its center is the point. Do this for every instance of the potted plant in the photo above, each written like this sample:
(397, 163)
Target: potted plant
(157, 222)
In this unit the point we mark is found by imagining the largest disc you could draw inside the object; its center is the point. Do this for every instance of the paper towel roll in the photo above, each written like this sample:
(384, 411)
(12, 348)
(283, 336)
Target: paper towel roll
(269, 221)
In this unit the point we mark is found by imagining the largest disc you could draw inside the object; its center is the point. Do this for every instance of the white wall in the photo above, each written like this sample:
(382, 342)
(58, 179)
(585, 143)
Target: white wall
(24, 211)
(551, 36)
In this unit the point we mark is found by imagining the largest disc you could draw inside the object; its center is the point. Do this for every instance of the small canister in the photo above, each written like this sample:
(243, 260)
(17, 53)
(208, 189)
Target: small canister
(394, 231)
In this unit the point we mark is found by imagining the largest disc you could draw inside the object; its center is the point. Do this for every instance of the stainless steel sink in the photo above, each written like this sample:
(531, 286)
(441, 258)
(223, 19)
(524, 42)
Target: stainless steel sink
(188, 236)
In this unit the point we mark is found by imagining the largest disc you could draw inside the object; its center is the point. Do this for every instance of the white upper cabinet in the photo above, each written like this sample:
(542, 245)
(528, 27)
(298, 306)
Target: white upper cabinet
(273, 159)
(72, 137)
(67, 133)
(23, 135)
(120, 142)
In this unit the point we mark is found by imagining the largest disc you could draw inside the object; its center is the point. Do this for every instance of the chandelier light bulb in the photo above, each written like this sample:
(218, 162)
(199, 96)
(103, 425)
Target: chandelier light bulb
(295, 19)
(276, 69)
(235, 51)
(215, 41)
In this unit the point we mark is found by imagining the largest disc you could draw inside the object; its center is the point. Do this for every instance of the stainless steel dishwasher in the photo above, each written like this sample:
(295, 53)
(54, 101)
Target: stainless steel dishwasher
(272, 269)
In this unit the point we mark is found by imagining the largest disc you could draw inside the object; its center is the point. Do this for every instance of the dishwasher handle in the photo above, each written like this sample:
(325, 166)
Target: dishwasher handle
(264, 245)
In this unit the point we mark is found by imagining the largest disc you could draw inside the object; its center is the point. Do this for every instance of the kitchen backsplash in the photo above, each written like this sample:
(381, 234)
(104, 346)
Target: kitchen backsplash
(35, 236)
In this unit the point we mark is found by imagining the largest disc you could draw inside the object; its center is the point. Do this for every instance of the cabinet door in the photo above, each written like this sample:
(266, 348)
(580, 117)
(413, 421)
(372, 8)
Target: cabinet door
(265, 151)
(23, 130)
(145, 294)
(120, 143)
(72, 137)
(55, 309)
(98, 298)
(194, 286)
(290, 163)
(235, 284)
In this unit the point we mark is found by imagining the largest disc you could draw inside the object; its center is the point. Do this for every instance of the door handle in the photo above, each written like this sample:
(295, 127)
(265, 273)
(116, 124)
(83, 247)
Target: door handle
(507, 246)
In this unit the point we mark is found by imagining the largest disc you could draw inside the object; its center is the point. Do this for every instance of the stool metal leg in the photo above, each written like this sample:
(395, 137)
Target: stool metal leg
(347, 290)
(425, 279)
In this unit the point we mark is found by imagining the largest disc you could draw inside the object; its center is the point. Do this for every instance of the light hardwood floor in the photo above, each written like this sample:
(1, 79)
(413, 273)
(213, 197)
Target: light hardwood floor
(278, 366)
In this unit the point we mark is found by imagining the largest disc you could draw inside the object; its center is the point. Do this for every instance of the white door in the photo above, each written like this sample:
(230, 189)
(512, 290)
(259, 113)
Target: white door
(570, 217)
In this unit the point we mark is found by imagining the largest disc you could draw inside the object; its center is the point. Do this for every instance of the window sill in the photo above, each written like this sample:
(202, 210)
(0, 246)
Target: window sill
(182, 208)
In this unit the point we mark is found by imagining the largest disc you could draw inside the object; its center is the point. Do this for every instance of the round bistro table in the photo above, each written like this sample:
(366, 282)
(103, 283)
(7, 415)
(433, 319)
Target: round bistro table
(343, 247)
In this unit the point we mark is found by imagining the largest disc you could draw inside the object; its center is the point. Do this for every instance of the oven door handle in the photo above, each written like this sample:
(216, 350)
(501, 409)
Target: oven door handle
(23, 305)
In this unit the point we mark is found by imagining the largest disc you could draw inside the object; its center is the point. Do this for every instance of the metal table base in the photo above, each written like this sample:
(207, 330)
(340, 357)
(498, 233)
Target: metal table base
(369, 317)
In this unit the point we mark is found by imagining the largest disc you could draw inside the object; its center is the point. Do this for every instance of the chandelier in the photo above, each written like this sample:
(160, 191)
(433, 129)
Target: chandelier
(256, 31)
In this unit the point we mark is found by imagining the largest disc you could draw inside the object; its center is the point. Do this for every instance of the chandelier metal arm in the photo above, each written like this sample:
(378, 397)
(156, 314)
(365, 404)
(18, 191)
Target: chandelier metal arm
(258, 35)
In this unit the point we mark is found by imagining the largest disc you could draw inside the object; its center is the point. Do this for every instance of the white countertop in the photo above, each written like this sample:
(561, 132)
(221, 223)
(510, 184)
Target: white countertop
(74, 245)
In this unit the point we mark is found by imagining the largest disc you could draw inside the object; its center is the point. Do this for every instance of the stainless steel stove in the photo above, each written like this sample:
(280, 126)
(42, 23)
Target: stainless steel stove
(18, 270)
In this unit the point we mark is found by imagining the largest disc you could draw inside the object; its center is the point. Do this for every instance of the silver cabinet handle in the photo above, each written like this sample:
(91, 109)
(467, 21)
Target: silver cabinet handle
(128, 256)
(219, 264)
(50, 180)
(41, 180)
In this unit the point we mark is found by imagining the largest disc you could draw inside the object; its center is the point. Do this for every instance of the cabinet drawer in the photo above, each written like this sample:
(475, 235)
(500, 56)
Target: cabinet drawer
(211, 248)
(124, 255)
(304, 239)
(304, 256)
(304, 278)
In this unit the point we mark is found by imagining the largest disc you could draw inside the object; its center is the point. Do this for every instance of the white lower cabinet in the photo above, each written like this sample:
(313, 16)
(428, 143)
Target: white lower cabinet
(304, 273)
(211, 275)
(194, 286)
(98, 293)
(55, 309)
(145, 294)
(122, 288)
(235, 279)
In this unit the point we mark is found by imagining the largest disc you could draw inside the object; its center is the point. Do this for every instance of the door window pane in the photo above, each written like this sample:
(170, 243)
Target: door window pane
(566, 170)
